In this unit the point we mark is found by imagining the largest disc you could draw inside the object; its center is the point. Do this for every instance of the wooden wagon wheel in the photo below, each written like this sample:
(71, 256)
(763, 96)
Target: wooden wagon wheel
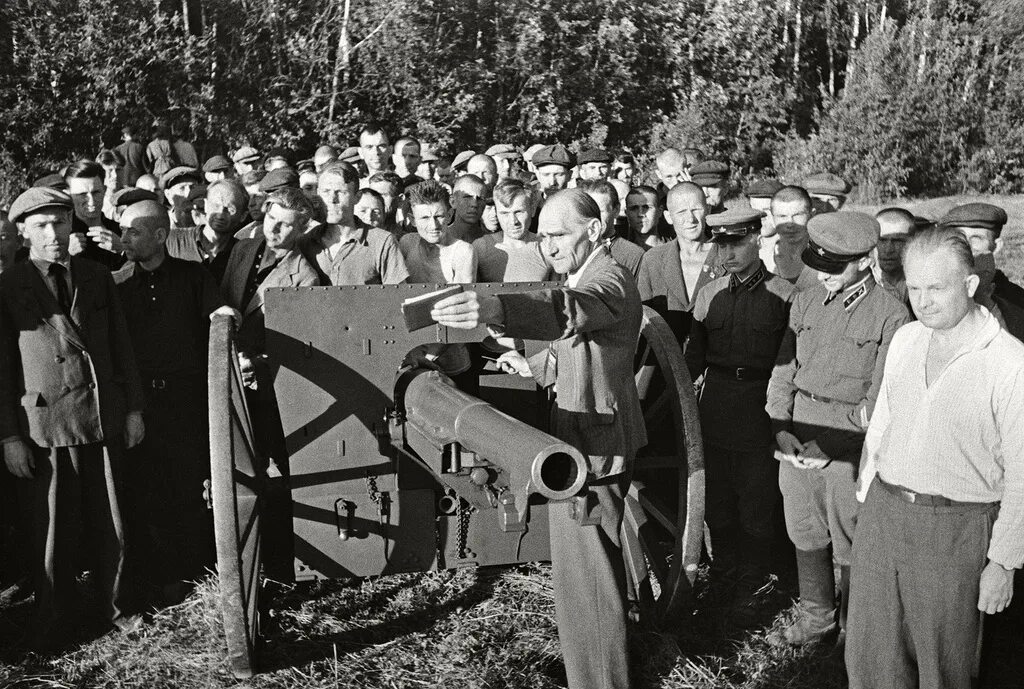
(663, 525)
(236, 485)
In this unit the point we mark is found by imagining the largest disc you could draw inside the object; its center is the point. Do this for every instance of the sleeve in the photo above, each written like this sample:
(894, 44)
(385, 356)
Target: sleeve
(210, 298)
(878, 425)
(121, 350)
(781, 388)
(643, 279)
(544, 367)
(1006, 546)
(555, 314)
(697, 342)
(391, 263)
(10, 360)
(837, 442)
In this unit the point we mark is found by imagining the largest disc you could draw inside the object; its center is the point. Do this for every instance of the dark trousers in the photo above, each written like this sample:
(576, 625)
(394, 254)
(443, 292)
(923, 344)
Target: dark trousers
(914, 620)
(820, 506)
(172, 529)
(76, 523)
(589, 580)
(742, 489)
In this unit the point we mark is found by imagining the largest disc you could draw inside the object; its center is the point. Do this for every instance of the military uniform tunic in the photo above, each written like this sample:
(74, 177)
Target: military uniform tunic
(823, 388)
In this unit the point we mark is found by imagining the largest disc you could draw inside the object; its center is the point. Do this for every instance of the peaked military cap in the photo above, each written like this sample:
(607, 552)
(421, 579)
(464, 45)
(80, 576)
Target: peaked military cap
(177, 175)
(835, 239)
(977, 215)
(826, 183)
(709, 173)
(595, 155)
(763, 188)
(734, 224)
(246, 154)
(36, 199)
(554, 155)
(216, 164)
(278, 179)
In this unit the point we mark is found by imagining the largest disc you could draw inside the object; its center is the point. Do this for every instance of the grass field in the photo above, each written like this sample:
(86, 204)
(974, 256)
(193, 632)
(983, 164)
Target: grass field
(472, 629)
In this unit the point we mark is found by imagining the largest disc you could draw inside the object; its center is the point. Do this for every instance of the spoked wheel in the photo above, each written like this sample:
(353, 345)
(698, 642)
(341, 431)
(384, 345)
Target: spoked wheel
(236, 485)
(663, 525)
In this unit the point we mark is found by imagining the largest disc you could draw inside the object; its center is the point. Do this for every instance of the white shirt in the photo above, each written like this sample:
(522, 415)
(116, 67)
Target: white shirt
(962, 437)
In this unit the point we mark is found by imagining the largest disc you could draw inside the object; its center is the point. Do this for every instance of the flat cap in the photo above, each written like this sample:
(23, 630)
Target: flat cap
(709, 173)
(763, 188)
(502, 151)
(245, 154)
(306, 165)
(350, 155)
(198, 193)
(278, 179)
(734, 224)
(835, 239)
(279, 152)
(177, 175)
(826, 183)
(253, 177)
(130, 195)
(462, 158)
(984, 216)
(532, 151)
(217, 163)
(554, 155)
(54, 180)
(36, 199)
(595, 155)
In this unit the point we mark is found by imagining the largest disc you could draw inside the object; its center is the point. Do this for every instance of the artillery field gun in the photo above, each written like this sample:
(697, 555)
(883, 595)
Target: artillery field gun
(394, 469)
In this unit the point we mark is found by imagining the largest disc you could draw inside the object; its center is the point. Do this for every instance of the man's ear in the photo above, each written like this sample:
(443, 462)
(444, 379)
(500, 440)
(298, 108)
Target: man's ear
(595, 230)
(998, 245)
(668, 218)
(865, 263)
(973, 282)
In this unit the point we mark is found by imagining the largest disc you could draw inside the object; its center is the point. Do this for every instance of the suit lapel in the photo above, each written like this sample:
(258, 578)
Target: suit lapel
(83, 281)
(38, 298)
(674, 282)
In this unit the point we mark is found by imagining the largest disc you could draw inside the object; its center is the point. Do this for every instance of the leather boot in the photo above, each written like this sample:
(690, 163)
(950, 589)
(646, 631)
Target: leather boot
(817, 608)
(839, 652)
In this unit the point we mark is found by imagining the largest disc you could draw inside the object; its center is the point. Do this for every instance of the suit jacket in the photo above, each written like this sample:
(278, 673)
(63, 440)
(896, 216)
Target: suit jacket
(292, 271)
(661, 285)
(64, 381)
(594, 327)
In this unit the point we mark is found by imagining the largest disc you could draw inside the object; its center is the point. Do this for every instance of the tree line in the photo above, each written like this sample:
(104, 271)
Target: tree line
(903, 97)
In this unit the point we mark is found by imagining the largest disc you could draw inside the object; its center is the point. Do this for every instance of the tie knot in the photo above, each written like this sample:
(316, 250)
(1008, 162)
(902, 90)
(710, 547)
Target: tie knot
(56, 269)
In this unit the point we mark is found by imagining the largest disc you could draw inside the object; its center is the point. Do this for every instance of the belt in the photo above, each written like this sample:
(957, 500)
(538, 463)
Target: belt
(742, 373)
(914, 498)
(822, 398)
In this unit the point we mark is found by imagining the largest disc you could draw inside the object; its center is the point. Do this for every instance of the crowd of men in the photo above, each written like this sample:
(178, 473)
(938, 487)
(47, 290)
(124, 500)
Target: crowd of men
(862, 373)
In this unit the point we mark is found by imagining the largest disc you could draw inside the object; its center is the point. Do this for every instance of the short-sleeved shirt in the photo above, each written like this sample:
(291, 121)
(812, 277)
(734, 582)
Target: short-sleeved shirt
(168, 314)
(371, 258)
(511, 264)
(186, 245)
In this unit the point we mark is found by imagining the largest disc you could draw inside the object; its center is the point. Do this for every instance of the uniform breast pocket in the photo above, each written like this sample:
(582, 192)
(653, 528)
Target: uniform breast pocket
(856, 356)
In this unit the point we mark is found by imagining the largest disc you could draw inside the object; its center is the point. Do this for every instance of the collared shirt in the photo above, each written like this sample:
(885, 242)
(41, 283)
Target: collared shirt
(168, 314)
(835, 353)
(370, 257)
(44, 270)
(737, 324)
(962, 437)
(187, 245)
(573, 279)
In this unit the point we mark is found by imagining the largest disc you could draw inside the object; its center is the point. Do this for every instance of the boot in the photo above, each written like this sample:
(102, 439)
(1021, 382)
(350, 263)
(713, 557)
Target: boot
(839, 652)
(751, 575)
(816, 611)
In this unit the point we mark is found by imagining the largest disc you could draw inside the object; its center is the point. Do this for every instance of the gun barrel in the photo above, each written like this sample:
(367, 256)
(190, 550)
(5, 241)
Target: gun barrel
(536, 462)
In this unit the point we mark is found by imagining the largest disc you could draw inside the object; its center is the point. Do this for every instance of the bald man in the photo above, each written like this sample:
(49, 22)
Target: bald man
(227, 205)
(484, 167)
(593, 323)
(167, 303)
(469, 197)
(673, 273)
(670, 167)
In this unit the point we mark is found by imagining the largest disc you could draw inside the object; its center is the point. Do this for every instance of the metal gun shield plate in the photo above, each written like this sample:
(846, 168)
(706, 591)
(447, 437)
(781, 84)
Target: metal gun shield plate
(236, 485)
(663, 524)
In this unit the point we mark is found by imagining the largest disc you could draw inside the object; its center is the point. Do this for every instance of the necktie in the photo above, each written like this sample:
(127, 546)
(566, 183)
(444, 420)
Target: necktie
(57, 272)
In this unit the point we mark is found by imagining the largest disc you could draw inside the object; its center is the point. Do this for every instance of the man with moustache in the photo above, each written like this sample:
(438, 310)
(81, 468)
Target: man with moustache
(553, 166)
(345, 250)
(820, 398)
(594, 164)
(211, 244)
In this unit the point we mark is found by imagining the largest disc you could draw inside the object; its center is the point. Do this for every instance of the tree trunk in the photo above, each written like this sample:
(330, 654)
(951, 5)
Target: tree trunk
(925, 40)
(854, 40)
(798, 30)
(341, 60)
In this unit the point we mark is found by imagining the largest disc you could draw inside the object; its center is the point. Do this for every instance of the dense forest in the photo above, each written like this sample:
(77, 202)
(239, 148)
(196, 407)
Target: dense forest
(905, 97)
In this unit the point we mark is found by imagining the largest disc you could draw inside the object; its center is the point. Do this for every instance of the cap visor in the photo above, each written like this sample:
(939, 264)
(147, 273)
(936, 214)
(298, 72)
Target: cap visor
(823, 265)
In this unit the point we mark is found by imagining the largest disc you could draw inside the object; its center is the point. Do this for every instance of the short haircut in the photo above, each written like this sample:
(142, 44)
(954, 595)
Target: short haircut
(366, 191)
(507, 191)
(898, 216)
(426, 193)
(406, 140)
(232, 188)
(84, 169)
(291, 199)
(647, 191)
(110, 157)
(791, 193)
(668, 157)
(388, 177)
(372, 128)
(936, 238)
(601, 187)
(462, 180)
(339, 168)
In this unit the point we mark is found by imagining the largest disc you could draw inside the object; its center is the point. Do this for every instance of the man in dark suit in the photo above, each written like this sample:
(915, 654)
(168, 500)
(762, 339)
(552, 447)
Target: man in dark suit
(593, 323)
(70, 403)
